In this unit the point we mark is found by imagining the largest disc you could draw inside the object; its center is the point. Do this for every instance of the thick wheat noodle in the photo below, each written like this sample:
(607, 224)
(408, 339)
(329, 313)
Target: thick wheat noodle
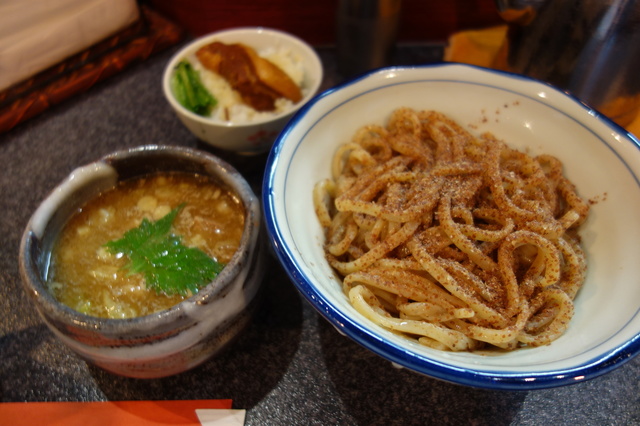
(404, 284)
(575, 265)
(431, 312)
(344, 236)
(375, 234)
(340, 158)
(455, 287)
(368, 176)
(480, 234)
(364, 301)
(577, 204)
(463, 214)
(558, 323)
(496, 184)
(459, 239)
(410, 145)
(502, 337)
(464, 275)
(454, 240)
(360, 199)
(323, 189)
(376, 252)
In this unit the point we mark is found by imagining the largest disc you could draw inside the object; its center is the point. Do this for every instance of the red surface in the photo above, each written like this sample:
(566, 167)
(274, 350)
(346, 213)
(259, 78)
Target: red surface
(314, 21)
(130, 413)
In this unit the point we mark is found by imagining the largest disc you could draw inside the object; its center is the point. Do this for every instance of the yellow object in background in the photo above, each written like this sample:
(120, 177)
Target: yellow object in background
(488, 48)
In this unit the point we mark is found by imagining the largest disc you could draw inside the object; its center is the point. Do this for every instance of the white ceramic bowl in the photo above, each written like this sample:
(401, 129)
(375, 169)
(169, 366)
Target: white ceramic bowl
(599, 157)
(166, 342)
(257, 136)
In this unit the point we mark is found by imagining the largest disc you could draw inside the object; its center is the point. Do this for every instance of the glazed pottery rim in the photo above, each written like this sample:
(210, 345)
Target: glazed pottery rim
(221, 171)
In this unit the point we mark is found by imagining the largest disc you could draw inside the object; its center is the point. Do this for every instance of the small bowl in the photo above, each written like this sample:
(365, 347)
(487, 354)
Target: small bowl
(257, 136)
(601, 158)
(169, 341)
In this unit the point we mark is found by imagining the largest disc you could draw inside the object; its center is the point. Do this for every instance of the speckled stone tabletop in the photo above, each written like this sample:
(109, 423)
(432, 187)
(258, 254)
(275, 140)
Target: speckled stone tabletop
(290, 367)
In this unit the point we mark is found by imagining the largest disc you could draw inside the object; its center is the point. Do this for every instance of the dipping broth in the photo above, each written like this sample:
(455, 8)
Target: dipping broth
(85, 276)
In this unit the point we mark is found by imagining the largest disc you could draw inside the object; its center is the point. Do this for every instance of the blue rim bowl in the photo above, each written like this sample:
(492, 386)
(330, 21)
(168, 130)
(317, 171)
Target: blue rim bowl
(601, 158)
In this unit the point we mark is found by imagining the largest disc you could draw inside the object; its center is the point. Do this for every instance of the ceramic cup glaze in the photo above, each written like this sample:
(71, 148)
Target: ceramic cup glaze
(170, 341)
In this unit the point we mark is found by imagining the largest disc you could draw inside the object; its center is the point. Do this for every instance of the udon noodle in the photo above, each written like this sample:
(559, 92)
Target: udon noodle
(458, 241)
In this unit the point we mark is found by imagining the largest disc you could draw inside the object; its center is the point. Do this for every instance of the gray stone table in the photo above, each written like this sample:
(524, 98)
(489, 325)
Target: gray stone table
(290, 367)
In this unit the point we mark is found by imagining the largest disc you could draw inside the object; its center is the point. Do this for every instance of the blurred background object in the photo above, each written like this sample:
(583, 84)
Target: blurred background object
(589, 47)
(315, 22)
(162, 23)
(366, 34)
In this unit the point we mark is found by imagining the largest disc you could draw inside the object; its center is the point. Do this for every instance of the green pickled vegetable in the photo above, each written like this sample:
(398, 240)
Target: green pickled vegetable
(189, 90)
(168, 266)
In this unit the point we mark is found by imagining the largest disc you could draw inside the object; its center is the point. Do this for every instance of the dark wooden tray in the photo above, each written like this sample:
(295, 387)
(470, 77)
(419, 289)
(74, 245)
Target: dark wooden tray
(26, 99)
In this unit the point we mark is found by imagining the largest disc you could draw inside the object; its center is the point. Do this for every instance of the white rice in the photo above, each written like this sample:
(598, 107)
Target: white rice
(230, 107)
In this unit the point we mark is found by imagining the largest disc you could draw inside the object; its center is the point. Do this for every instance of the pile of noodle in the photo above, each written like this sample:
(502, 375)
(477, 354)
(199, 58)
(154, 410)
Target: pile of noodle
(454, 240)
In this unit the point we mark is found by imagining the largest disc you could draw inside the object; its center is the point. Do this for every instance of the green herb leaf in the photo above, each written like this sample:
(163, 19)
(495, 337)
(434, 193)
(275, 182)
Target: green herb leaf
(189, 90)
(168, 266)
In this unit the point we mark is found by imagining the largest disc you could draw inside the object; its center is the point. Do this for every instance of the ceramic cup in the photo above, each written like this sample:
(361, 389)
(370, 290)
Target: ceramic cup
(170, 341)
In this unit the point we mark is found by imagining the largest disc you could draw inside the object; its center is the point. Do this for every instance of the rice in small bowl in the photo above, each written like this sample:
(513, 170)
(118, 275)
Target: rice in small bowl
(232, 124)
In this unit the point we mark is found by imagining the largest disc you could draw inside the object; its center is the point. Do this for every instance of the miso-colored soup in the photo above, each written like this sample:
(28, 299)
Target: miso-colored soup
(87, 277)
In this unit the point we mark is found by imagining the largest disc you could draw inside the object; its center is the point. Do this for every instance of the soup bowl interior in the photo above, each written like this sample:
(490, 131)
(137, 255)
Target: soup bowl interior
(598, 156)
(169, 341)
